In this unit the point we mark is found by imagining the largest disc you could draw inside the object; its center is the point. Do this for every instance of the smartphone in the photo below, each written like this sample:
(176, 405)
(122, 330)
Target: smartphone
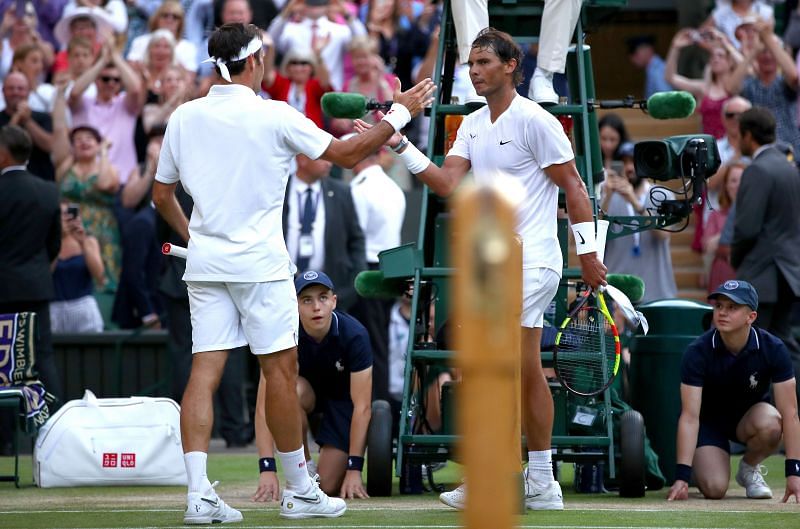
(73, 210)
(618, 167)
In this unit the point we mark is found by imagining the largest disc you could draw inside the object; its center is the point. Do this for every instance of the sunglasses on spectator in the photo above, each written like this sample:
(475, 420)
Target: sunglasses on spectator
(731, 115)
(306, 63)
(173, 16)
(110, 79)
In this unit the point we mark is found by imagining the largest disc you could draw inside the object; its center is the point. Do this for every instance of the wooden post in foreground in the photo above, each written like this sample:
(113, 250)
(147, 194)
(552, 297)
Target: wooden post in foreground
(487, 302)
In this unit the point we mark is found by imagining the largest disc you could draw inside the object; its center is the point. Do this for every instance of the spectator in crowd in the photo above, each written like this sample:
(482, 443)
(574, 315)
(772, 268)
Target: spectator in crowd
(136, 303)
(335, 378)
(38, 125)
(48, 13)
(642, 54)
(728, 145)
(86, 176)
(80, 56)
(302, 81)
(613, 135)
(168, 16)
(79, 266)
(320, 227)
(114, 110)
(173, 91)
(30, 235)
(114, 12)
(16, 32)
(726, 376)
(711, 92)
(766, 235)
(369, 78)
(80, 22)
(29, 60)
(774, 84)
(728, 16)
(301, 22)
(159, 54)
(401, 34)
(718, 268)
(647, 253)
(381, 207)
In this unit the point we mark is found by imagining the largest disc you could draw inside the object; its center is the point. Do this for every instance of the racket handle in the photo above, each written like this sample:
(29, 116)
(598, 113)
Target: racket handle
(602, 232)
(173, 250)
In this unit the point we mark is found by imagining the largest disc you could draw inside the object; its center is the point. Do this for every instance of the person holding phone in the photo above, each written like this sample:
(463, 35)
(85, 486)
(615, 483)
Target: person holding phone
(78, 268)
(645, 254)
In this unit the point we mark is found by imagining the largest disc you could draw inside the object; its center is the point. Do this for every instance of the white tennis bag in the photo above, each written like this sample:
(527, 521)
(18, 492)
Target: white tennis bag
(101, 442)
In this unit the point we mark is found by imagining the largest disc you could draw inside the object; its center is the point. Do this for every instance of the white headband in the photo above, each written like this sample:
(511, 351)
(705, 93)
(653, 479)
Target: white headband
(252, 47)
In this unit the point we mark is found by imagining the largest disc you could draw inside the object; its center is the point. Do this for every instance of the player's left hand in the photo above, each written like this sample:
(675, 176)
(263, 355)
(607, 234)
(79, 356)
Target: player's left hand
(268, 487)
(593, 271)
(792, 489)
(361, 126)
(352, 486)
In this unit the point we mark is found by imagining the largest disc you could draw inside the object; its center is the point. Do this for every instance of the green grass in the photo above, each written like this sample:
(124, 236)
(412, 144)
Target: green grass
(145, 507)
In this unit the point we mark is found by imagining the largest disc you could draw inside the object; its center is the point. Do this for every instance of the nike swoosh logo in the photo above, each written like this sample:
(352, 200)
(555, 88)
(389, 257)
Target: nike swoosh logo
(582, 241)
(307, 499)
(214, 503)
(504, 142)
(473, 136)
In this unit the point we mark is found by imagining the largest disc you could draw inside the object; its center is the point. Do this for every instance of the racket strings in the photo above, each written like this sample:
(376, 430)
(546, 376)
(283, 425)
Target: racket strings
(586, 353)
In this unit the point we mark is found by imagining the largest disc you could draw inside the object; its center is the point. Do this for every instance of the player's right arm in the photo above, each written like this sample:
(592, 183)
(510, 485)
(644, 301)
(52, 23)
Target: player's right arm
(688, 427)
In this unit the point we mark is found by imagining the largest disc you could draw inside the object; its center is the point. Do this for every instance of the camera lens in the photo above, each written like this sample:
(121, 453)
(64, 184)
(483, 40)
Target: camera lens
(651, 159)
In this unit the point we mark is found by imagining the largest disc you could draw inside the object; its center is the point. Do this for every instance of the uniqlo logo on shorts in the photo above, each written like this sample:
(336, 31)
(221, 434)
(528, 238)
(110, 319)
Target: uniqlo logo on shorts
(127, 460)
(109, 460)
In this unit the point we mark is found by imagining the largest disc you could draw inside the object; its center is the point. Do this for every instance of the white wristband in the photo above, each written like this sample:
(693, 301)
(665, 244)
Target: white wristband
(415, 161)
(398, 116)
(584, 237)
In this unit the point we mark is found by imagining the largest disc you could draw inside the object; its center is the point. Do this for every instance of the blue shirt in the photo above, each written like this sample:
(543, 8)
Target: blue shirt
(732, 384)
(654, 77)
(327, 365)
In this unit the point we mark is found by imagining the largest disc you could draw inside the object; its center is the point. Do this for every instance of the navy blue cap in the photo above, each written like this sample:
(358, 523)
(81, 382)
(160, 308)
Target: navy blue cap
(738, 291)
(312, 277)
(626, 150)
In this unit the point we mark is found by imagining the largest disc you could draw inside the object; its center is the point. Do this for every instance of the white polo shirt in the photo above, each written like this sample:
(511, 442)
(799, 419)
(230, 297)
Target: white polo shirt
(381, 207)
(231, 151)
(516, 148)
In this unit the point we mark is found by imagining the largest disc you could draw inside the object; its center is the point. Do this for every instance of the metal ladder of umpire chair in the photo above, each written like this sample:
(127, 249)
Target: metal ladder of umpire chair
(426, 262)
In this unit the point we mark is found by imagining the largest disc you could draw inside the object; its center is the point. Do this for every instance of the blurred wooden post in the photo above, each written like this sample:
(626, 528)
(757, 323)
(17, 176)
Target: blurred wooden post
(487, 302)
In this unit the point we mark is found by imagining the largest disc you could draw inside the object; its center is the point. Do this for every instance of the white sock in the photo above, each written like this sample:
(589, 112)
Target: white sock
(196, 471)
(294, 467)
(540, 466)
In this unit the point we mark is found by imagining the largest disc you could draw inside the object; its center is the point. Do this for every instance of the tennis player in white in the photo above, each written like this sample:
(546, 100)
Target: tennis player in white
(513, 138)
(231, 152)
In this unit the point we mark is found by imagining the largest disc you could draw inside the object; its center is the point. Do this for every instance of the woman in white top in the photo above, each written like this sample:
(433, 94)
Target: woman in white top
(169, 16)
(113, 12)
(29, 60)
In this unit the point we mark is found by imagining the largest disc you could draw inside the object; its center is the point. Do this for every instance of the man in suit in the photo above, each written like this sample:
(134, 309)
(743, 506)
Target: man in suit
(766, 240)
(232, 426)
(321, 227)
(30, 239)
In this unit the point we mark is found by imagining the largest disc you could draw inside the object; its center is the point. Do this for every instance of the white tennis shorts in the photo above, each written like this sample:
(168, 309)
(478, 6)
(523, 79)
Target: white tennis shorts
(539, 287)
(228, 315)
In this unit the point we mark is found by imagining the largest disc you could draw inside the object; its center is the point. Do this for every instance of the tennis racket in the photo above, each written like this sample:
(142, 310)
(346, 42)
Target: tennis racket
(173, 250)
(586, 356)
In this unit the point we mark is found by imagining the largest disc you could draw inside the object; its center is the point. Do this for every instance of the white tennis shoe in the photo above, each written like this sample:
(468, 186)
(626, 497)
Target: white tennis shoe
(752, 479)
(456, 498)
(313, 504)
(543, 497)
(204, 509)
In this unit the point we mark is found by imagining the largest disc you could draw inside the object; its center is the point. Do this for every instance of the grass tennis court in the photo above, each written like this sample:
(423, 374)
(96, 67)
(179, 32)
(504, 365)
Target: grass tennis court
(146, 507)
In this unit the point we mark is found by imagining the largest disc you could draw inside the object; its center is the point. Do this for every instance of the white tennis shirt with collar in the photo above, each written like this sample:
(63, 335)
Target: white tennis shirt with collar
(231, 151)
(515, 150)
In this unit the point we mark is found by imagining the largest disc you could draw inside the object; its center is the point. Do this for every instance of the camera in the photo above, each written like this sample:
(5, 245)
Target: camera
(73, 210)
(692, 155)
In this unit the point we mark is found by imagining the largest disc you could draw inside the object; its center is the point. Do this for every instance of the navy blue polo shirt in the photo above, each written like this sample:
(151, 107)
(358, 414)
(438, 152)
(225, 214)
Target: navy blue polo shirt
(327, 365)
(732, 384)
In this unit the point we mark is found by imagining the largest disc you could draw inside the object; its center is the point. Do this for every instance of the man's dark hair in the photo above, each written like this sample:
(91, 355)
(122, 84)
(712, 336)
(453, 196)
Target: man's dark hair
(17, 142)
(503, 46)
(760, 123)
(228, 40)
